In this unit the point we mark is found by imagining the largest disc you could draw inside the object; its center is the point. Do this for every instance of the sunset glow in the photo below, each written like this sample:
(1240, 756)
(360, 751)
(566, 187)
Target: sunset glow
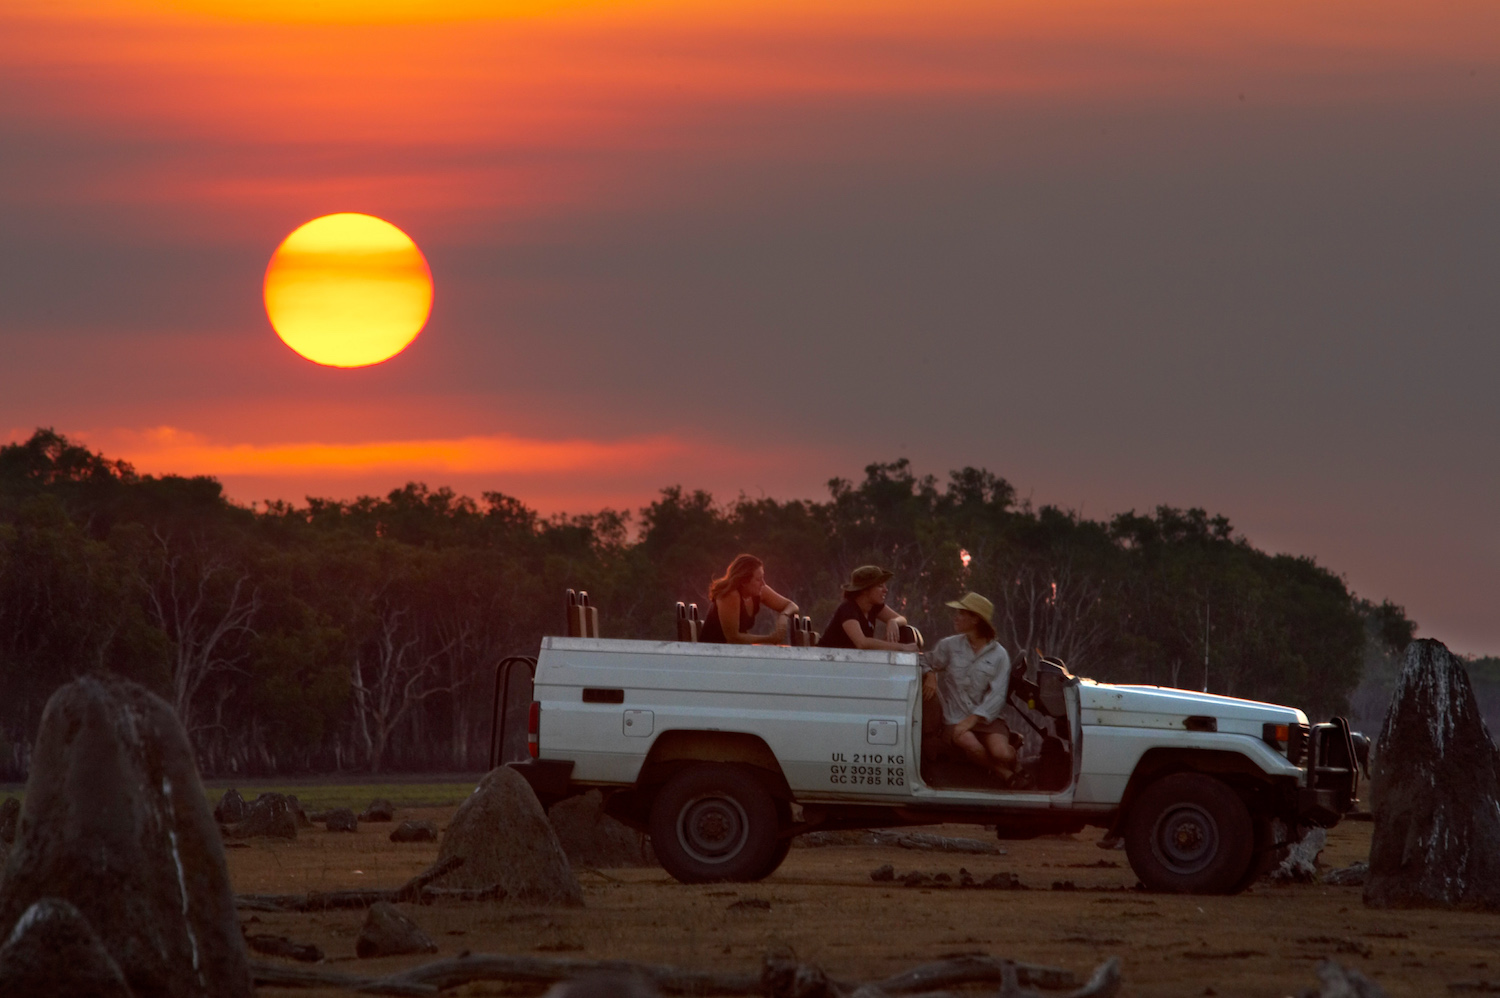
(170, 451)
(348, 290)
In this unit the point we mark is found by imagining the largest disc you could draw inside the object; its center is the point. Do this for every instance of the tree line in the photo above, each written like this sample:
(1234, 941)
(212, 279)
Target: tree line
(364, 634)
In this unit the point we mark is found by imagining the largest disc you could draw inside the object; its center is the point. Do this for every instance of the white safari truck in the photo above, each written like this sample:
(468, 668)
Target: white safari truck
(725, 753)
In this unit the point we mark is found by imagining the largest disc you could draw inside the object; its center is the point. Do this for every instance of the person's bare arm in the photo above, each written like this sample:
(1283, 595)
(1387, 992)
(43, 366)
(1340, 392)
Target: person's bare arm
(851, 628)
(729, 619)
(777, 602)
(893, 622)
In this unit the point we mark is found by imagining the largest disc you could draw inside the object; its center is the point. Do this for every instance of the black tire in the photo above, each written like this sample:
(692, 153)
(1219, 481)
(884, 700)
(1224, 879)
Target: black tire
(1265, 858)
(715, 822)
(783, 846)
(1190, 834)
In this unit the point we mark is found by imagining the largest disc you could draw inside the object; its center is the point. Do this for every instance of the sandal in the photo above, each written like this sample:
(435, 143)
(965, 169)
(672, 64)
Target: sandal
(1021, 780)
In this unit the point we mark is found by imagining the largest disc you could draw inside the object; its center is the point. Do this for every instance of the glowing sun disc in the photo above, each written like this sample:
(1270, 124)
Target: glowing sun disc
(348, 290)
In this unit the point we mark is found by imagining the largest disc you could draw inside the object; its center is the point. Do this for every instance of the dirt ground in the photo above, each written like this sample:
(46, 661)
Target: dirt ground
(823, 904)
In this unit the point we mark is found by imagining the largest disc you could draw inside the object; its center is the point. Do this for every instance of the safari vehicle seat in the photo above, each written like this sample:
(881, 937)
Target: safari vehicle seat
(688, 624)
(1044, 698)
(1044, 695)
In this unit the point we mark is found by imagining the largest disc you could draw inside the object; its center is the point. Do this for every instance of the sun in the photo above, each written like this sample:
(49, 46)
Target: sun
(348, 290)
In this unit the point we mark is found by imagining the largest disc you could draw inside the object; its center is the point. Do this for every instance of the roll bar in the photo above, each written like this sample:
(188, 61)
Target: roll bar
(502, 691)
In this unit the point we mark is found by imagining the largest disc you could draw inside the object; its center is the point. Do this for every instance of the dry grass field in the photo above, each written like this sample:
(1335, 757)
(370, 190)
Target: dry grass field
(823, 904)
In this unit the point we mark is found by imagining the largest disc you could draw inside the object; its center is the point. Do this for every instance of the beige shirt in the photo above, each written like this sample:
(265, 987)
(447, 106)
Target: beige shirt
(969, 682)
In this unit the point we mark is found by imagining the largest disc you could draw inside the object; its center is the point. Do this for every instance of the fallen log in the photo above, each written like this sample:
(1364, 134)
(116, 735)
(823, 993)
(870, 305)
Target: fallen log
(1105, 982)
(416, 889)
(279, 975)
(974, 969)
(936, 843)
(919, 982)
(451, 973)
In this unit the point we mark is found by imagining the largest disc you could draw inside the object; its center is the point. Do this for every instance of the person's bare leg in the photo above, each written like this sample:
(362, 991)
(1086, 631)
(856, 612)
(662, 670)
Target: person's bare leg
(1001, 755)
(970, 746)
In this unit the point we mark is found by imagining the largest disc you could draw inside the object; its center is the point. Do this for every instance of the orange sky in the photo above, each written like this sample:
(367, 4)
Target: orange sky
(552, 79)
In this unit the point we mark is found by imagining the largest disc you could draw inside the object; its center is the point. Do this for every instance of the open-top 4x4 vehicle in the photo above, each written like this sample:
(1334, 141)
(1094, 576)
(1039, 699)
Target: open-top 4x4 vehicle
(725, 753)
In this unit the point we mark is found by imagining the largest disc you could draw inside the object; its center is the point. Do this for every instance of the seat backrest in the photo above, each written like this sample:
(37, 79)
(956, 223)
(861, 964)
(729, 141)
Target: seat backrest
(1052, 678)
(688, 624)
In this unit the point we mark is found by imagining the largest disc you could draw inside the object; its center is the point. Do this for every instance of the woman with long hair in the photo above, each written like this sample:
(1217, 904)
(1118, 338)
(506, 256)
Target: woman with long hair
(736, 597)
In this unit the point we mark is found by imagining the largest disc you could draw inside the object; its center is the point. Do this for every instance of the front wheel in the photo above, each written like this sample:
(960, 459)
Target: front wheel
(1190, 834)
(715, 822)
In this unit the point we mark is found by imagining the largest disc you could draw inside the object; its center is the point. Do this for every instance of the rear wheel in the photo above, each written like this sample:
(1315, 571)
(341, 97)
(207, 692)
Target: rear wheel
(783, 847)
(1190, 834)
(716, 822)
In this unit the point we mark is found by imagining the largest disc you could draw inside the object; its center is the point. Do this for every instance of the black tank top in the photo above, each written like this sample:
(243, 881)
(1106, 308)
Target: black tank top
(712, 631)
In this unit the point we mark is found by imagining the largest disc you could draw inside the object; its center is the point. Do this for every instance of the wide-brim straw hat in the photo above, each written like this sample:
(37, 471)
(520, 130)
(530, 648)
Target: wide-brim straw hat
(977, 605)
(866, 576)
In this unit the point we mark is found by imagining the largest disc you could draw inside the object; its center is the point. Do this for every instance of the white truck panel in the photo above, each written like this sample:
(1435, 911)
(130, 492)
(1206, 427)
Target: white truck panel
(1111, 753)
(838, 721)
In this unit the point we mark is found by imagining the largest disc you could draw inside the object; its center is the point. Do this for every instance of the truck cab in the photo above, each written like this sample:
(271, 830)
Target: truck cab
(725, 753)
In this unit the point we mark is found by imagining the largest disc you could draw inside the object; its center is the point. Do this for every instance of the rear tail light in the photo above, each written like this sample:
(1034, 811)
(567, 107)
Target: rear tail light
(533, 728)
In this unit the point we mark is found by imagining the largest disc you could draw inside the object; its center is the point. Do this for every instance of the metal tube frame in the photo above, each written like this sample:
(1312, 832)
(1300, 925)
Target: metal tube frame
(502, 691)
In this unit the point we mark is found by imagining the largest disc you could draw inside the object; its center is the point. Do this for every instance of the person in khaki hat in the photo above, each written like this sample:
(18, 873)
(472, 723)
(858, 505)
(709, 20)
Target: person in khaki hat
(969, 675)
(854, 622)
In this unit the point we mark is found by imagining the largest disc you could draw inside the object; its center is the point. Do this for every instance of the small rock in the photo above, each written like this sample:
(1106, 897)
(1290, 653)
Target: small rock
(883, 874)
(1353, 875)
(387, 932)
(341, 819)
(53, 951)
(1064, 885)
(750, 904)
(283, 947)
(379, 810)
(942, 878)
(295, 806)
(269, 816)
(231, 808)
(415, 831)
(1003, 881)
(916, 878)
(965, 878)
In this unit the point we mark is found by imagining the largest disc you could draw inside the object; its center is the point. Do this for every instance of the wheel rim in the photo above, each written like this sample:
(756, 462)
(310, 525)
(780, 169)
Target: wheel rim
(712, 828)
(1186, 839)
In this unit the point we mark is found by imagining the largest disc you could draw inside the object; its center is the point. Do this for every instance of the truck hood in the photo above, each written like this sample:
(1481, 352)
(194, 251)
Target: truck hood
(1162, 707)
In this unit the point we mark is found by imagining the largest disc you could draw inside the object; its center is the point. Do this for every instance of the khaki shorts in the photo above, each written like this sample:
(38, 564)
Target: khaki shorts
(995, 727)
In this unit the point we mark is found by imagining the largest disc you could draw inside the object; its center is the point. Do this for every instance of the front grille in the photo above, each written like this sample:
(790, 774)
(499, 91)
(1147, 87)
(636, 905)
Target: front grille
(1296, 748)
